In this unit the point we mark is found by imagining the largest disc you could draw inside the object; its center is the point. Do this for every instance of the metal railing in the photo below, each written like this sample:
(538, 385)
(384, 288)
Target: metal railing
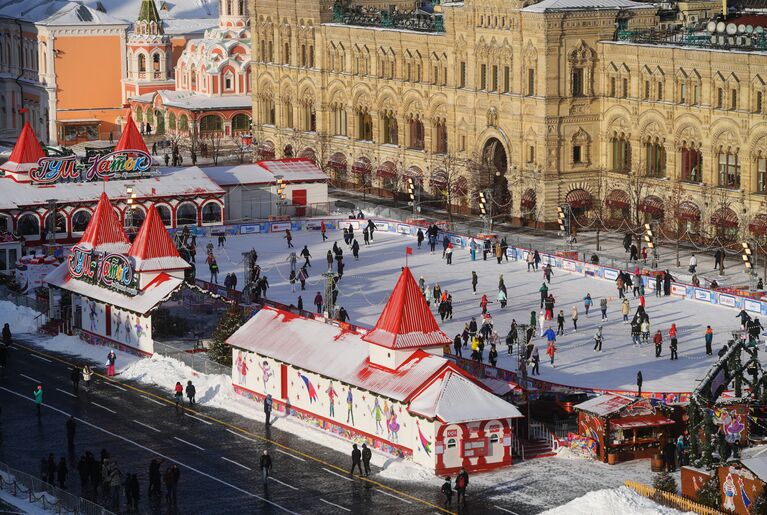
(21, 299)
(56, 500)
(539, 431)
(517, 447)
(193, 356)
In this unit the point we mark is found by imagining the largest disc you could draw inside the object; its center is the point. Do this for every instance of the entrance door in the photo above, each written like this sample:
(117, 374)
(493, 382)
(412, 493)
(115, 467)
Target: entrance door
(299, 199)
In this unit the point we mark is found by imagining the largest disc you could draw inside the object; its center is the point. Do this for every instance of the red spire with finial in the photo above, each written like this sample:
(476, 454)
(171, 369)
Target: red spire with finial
(131, 139)
(153, 248)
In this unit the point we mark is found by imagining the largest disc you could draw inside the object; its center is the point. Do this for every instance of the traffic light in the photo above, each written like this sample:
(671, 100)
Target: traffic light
(747, 252)
(411, 188)
(649, 236)
(482, 203)
(281, 189)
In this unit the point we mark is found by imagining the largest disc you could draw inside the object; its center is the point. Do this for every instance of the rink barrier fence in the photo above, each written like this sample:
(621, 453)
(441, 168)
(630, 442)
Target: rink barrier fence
(51, 498)
(670, 499)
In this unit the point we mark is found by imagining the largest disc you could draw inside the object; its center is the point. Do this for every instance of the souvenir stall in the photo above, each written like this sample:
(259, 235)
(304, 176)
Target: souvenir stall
(107, 288)
(622, 428)
(388, 387)
(51, 199)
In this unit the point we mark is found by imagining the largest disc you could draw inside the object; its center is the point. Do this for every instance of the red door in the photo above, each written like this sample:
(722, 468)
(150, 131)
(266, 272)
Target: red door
(299, 199)
(284, 381)
(108, 316)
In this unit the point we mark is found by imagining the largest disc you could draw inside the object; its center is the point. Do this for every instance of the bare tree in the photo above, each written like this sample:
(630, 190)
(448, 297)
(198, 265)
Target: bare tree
(675, 227)
(450, 181)
(214, 141)
(638, 187)
(241, 146)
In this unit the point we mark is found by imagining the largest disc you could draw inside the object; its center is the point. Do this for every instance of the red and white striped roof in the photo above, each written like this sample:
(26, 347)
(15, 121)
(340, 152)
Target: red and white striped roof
(26, 152)
(130, 139)
(153, 248)
(407, 322)
(105, 233)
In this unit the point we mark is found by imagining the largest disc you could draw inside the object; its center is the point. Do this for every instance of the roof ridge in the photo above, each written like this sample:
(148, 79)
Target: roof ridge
(104, 227)
(152, 240)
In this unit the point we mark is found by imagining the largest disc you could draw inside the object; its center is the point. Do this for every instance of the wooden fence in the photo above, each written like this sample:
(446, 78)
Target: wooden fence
(671, 500)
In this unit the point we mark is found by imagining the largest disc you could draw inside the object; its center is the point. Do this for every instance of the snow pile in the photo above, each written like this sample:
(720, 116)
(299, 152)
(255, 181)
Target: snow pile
(74, 346)
(20, 318)
(617, 501)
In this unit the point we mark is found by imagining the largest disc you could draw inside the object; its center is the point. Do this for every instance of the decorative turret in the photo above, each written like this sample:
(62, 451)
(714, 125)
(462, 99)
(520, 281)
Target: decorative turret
(131, 139)
(154, 251)
(24, 156)
(105, 233)
(148, 21)
(405, 326)
(149, 48)
(232, 14)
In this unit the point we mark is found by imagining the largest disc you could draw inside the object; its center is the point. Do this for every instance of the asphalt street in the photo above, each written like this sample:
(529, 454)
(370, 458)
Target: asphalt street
(217, 451)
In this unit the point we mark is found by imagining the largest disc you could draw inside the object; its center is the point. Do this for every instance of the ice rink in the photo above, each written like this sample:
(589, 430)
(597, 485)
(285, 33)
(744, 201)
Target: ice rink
(367, 283)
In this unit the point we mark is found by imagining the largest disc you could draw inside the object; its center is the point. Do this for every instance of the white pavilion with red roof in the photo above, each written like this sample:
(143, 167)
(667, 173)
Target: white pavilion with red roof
(108, 287)
(389, 387)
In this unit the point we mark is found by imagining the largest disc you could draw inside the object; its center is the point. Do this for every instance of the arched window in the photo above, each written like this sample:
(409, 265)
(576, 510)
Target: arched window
(183, 123)
(186, 214)
(6, 223)
(156, 62)
(139, 115)
(692, 160)
(364, 125)
(134, 217)
(80, 220)
(440, 136)
(211, 213)
(141, 63)
(61, 223)
(655, 158)
(29, 225)
(241, 123)
(390, 128)
(210, 123)
(164, 212)
(416, 133)
(172, 121)
(621, 153)
(192, 78)
(452, 443)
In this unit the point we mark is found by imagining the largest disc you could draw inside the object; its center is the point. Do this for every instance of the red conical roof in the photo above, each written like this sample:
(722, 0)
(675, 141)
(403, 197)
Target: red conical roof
(105, 233)
(26, 151)
(153, 248)
(406, 322)
(131, 139)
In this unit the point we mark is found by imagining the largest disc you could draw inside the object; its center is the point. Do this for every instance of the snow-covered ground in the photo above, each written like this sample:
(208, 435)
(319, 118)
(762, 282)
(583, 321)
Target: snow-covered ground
(367, 283)
(617, 501)
(542, 483)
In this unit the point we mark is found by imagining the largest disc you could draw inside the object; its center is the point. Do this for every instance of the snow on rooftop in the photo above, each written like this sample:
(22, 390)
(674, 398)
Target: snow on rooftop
(605, 404)
(190, 100)
(59, 13)
(174, 27)
(263, 172)
(456, 398)
(178, 9)
(577, 5)
(153, 248)
(179, 181)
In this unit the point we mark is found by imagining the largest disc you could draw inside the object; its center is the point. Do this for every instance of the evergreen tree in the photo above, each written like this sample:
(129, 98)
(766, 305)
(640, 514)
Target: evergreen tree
(219, 351)
(664, 482)
(760, 505)
(708, 494)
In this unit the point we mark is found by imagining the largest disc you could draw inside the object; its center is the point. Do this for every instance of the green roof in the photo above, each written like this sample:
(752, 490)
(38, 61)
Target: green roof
(148, 12)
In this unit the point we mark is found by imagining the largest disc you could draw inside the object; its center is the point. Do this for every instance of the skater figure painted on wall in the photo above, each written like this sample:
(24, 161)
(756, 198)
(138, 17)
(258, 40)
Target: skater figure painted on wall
(425, 444)
(128, 329)
(118, 318)
(377, 413)
(266, 372)
(242, 367)
(331, 399)
(393, 427)
(92, 314)
(349, 406)
(386, 416)
(309, 387)
(729, 493)
(139, 329)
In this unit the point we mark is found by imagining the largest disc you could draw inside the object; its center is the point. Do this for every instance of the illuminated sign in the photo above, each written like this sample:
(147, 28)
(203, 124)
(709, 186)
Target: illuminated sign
(113, 271)
(121, 164)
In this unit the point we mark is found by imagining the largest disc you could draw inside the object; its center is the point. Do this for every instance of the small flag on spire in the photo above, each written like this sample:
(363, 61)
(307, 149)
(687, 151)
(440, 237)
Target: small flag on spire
(409, 251)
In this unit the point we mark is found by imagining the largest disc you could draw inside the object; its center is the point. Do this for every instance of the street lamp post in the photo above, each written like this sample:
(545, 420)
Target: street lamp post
(52, 208)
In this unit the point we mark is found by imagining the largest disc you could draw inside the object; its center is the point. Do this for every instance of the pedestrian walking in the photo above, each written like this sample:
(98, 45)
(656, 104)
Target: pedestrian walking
(645, 328)
(111, 361)
(419, 237)
(536, 358)
(268, 403)
(356, 460)
(367, 455)
(178, 393)
(461, 483)
(447, 491)
(574, 317)
(530, 259)
(318, 302)
(474, 281)
(603, 307)
(306, 255)
(718, 259)
(501, 297)
(587, 302)
(493, 355)
(289, 237)
(639, 383)
(7, 338)
(561, 323)
(71, 428)
(659, 284)
(74, 375)
(673, 348)
(191, 391)
(547, 273)
(658, 341)
(449, 254)
(625, 308)
(87, 375)
(323, 230)
(709, 337)
(693, 264)
(38, 395)
(265, 464)
(544, 291)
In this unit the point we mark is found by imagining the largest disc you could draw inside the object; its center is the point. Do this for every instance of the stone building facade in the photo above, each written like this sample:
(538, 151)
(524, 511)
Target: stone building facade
(542, 103)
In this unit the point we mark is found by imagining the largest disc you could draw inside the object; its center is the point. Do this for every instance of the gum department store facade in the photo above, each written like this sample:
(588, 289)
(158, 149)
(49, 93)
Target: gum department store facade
(563, 108)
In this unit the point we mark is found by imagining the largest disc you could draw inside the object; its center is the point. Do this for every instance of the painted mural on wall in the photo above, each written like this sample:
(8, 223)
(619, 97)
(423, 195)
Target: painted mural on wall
(124, 327)
(740, 488)
(582, 445)
(731, 422)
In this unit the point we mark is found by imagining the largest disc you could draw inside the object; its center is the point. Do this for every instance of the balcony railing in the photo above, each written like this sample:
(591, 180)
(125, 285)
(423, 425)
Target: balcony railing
(417, 19)
(690, 37)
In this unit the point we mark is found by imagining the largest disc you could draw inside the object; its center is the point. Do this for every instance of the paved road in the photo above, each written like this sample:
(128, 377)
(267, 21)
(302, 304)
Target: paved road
(217, 451)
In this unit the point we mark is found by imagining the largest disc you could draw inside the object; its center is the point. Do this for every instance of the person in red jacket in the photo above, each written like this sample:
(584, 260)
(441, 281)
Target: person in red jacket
(318, 302)
(323, 230)
(673, 344)
(483, 304)
(658, 341)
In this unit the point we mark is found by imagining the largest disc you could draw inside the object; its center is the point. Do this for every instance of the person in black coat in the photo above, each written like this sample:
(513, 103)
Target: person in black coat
(658, 284)
(457, 345)
(744, 318)
(356, 459)
(7, 334)
(265, 464)
(667, 278)
(367, 454)
(191, 391)
(343, 316)
(668, 454)
(61, 473)
(71, 427)
(639, 383)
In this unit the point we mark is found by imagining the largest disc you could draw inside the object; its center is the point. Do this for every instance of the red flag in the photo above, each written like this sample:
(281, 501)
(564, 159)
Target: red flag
(409, 251)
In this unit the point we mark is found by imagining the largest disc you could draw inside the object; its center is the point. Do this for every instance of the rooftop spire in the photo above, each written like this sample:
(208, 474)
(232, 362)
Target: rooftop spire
(147, 16)
(105, 233)
(26, 152)
(406, 322)
(153, 248)
(130, 139)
